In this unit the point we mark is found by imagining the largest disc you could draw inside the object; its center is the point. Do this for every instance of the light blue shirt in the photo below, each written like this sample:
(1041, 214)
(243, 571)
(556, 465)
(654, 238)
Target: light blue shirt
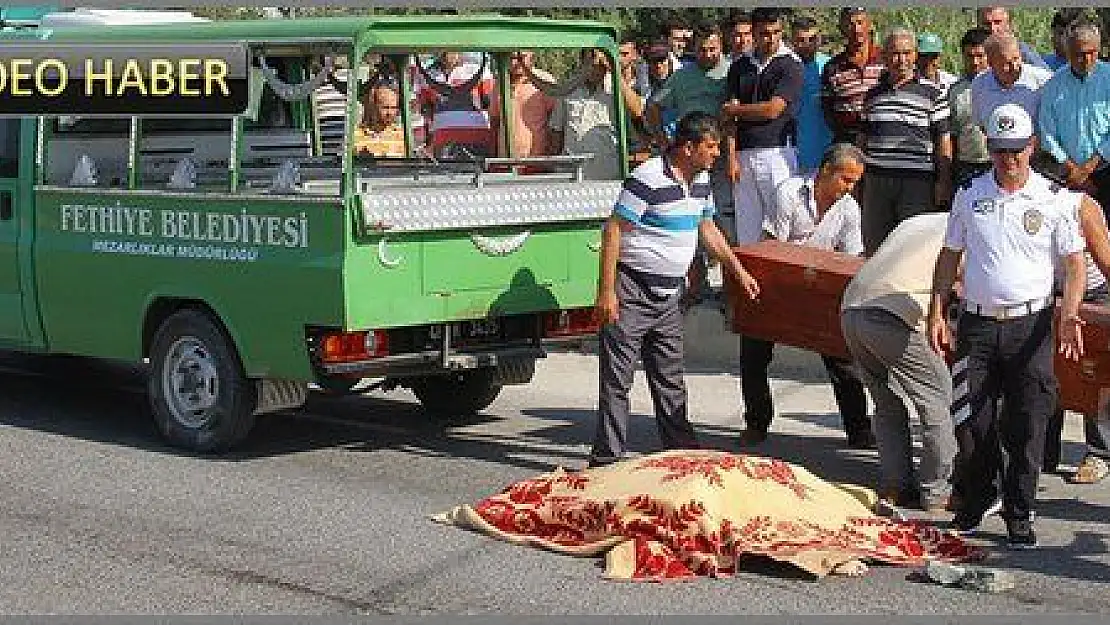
(988, 94)
(813, 133)
(1074, 117)
(1054, 61)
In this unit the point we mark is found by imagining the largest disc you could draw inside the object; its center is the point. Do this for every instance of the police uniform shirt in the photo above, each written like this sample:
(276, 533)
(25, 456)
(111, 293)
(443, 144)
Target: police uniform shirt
(1011, 240)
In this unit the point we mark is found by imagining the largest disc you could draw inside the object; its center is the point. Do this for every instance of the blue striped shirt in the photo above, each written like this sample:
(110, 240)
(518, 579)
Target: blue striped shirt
(1074, 118)
(665, 214)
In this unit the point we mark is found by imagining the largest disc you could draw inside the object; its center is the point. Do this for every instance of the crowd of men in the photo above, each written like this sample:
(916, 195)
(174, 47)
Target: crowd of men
(991, 185)
(981, 194)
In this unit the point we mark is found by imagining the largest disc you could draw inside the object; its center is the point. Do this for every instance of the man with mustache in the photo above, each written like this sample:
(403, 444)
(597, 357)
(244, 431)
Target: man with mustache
(907, 141)
(663, 210)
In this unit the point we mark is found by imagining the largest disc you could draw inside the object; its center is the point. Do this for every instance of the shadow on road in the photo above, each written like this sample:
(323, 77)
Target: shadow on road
(105, 402)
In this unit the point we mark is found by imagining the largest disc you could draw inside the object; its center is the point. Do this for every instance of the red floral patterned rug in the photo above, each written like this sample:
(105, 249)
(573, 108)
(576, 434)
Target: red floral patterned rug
(684, 514)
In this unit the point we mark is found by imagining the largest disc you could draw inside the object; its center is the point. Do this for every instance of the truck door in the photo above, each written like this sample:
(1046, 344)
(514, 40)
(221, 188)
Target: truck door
(14, 192)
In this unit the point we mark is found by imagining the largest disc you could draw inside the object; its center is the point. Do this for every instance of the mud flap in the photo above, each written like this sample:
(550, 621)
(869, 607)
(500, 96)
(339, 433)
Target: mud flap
(274, 395)
(514, 371)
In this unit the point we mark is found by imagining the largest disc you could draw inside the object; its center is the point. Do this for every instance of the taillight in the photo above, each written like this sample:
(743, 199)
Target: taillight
(353, 346)
(573, 322)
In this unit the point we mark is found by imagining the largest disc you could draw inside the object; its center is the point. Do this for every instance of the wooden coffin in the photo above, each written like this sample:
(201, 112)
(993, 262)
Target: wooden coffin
(799, 304)
(1085, 385)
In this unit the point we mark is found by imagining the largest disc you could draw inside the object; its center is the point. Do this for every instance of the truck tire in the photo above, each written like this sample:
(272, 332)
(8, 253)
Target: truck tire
(462, 394)
(200, 397)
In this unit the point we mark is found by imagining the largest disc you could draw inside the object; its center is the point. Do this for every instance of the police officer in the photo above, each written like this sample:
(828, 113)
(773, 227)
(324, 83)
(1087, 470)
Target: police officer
(1008, 226)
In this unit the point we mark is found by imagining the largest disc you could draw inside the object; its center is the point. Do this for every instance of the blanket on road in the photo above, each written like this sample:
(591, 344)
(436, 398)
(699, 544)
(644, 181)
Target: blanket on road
(683, 514)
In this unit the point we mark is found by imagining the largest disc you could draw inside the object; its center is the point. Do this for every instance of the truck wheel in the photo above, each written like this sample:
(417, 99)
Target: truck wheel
(200, 397)
(457, 394)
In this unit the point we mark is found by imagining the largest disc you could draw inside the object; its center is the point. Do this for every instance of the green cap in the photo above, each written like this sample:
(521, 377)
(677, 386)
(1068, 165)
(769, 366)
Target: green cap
(928, 43)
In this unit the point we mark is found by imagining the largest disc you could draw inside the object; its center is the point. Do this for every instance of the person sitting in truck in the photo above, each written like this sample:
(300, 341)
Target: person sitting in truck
(585, 119)
(459, 99)
(532, 108)
(381, 133)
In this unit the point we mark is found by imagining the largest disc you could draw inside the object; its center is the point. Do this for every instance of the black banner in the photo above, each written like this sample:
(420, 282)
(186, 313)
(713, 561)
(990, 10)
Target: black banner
(141, 79)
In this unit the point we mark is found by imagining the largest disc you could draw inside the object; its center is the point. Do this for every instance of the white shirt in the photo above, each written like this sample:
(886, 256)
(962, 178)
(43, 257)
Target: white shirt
(988, 94)
(794, 218)
(898, 278)
(1011, 240)
(587, 120)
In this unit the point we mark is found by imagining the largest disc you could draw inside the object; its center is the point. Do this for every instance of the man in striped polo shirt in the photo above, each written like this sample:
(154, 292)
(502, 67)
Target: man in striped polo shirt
(848, 76)
(647, 246)
(908, 145)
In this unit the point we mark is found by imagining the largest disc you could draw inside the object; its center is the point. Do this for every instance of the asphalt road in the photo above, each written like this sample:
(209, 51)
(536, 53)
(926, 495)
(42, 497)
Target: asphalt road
(325, 510)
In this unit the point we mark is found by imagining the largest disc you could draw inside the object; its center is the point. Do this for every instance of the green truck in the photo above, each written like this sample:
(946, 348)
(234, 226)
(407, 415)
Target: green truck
(246, 258)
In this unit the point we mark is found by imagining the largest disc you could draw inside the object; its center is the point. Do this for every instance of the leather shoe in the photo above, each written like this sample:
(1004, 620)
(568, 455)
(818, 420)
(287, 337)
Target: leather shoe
(862, 440)
(903, 498)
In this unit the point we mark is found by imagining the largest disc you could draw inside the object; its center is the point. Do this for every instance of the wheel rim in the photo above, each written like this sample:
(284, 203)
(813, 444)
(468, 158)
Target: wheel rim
(190, 382)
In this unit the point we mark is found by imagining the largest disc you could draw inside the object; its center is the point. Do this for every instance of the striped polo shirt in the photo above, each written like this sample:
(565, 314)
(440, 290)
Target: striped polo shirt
(903, 124)
(843, 88)
(665, 214)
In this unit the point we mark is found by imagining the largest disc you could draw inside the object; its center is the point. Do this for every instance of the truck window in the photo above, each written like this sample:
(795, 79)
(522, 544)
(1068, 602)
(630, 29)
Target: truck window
(294, 144)
(562, 108)
(184, 154)
(88, 151)
(195, 153)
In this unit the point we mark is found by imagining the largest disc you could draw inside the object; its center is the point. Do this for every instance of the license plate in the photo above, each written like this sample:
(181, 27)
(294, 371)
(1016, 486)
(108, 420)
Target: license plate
(477, 329)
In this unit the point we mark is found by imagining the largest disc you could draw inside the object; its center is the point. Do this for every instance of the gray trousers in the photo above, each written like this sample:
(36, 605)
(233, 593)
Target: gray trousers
(899, 368)
(651, 328)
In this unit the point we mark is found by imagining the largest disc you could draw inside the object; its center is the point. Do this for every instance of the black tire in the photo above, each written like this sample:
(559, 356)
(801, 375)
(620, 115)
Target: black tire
(462, 394)
(213, 406)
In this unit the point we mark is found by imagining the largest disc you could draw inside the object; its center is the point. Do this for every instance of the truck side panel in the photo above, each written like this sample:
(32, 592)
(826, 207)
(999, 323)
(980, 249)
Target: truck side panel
(267, 266)
(448, 275)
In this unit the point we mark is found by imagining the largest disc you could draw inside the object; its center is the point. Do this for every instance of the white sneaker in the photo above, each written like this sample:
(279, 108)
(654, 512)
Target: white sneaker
(994, 508)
